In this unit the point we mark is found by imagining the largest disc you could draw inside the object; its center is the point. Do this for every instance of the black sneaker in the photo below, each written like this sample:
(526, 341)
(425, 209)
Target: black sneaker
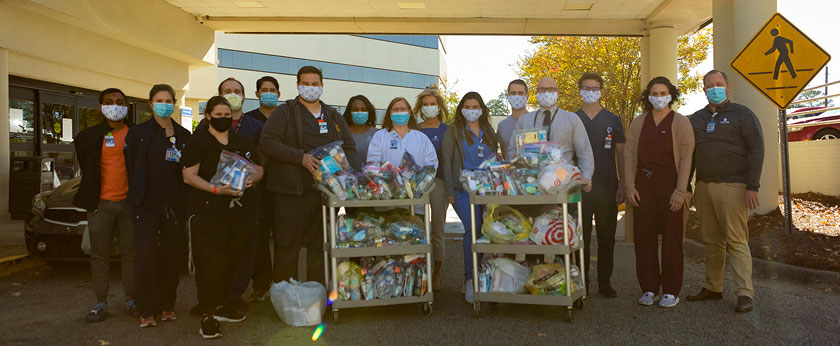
(210, 328)
(98, 314)
(226, 314)
(607, 291)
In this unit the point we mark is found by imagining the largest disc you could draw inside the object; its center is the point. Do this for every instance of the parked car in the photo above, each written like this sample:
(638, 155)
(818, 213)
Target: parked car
(812, 127)
(54, 230)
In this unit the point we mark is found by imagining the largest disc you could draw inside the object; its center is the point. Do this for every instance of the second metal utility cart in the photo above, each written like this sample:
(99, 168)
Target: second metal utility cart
(332, 253)
(573, 298)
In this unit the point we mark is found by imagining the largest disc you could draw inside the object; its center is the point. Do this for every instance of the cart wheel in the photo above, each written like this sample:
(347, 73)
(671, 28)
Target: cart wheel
(477, 309)
(569, 314)
(335, 316)
(580, 304)
(426, 308)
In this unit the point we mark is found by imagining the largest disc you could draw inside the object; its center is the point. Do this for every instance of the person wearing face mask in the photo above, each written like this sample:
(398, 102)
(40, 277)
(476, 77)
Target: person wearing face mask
(360, 115)
(606, 137)
(293, 129)
(268, 92)
(561, 126)
(517, 97)
(218, 239)
(399, 134)
(729, 157)
(102, 192)
(658, 155)
(155, 190)
(467, 143)
(431, 108)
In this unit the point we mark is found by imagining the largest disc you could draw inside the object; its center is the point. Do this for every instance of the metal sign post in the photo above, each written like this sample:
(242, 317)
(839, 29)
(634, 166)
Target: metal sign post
(783, 144)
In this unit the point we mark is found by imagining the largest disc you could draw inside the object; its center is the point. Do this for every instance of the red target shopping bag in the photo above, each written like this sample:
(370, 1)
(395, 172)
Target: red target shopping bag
(549, 229)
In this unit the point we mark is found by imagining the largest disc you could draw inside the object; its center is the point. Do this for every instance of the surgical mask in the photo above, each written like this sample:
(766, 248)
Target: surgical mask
(235, 102)
(659, 103)
(589, 96)
(163, 110)
(310, 93)
(221, 124)
(547, 99)
(471, 114)
(517, 102)
(716, 95)
(268, 99)
(114, 112)
(431, 111)
(400, 118)
(360, 118)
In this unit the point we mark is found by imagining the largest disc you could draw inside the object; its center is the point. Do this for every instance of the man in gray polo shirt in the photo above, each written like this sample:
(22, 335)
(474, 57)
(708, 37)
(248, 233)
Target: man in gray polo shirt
(517, 96)
(563, 127)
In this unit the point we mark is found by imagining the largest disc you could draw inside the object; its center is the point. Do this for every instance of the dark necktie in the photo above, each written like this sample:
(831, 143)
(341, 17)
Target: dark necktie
(547, 124)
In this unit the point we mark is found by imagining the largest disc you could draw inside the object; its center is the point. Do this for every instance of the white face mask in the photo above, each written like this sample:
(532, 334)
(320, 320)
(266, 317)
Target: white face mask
(430, 111)
(659, 103)
(547, 99)
(517, 102)
(589, 96)
(471, 114)
(235, 102)
(114, 112)
(310, 93)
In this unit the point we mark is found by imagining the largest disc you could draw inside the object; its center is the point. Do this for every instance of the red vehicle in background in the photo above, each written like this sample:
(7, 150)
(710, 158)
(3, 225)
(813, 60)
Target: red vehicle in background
(814, 126)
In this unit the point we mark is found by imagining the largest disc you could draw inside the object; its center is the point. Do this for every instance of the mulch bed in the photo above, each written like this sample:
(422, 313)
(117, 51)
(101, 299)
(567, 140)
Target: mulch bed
(814, 242)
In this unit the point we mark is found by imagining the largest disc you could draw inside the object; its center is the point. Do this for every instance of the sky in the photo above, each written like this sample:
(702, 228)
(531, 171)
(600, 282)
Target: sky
(487, 63)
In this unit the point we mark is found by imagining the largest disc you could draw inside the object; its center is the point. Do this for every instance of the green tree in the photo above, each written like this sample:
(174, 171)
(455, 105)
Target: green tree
(498, 105)
(806, 95)
(450, 96)
(617, 59)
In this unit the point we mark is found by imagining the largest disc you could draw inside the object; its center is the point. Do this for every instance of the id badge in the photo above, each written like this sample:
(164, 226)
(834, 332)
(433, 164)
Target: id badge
(173, 155)
(710, 127)
(394, 144)
(481, 151)
(109, 141)
(608, 142)
(322, 127)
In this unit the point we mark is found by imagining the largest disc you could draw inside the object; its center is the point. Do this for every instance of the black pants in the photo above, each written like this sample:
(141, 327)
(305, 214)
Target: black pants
(159, 255)
(263, 274)
(601, 204)
(298, 221)
(219, 241)
(249, 221)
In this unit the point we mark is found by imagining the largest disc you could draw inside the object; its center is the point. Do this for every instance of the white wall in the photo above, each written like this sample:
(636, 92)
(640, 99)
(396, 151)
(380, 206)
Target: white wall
(814, 167)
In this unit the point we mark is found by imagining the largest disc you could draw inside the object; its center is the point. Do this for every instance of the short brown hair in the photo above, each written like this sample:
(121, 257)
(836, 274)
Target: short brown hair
(591, 76)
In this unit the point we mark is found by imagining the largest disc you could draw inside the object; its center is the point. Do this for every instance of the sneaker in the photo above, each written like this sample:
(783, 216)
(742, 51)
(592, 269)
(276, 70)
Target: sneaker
(468, 291)
(226, 314)
(257, 296)
(210, 328)
(647, 299)
(147, 321)
(98, 314)
(669, 301)
(167, 315)
(607, 291)
(131, 308)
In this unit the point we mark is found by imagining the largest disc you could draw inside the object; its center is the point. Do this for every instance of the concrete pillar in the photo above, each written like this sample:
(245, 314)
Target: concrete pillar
(735, 23)
(645, 63)
(5, 155)
(663, 52)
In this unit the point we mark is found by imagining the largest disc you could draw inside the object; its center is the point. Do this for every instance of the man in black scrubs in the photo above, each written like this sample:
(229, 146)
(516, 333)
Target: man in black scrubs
(268, 92)
(606, 136)
(293, 129)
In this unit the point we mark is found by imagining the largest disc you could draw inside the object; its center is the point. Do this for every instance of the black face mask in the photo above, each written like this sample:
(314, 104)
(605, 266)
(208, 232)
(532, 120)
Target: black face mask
(221, 124)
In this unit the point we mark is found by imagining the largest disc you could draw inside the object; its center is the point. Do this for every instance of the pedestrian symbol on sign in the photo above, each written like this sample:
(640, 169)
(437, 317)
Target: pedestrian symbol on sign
(780, 44)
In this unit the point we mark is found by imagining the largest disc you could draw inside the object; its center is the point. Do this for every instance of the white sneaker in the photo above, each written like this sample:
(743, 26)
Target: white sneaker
(669, 301)
(647, 299)
(468, 289)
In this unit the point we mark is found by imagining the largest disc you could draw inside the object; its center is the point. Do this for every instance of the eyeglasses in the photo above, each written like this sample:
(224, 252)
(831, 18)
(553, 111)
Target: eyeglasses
(591, 88)
(546, 90)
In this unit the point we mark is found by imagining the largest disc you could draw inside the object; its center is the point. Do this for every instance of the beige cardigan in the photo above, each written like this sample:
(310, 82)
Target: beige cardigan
(682, 135)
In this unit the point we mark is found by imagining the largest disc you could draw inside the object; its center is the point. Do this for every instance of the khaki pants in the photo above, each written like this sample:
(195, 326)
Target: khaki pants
(723, 225)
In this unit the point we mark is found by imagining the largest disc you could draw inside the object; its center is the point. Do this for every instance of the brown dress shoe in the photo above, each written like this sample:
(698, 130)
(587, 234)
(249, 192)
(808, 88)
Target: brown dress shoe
(705, 294)
(744, 304)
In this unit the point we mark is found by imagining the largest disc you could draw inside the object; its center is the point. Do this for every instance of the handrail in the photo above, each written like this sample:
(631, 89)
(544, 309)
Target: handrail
(812, 124)
(813, 111)
(815, 99)
(822, 86)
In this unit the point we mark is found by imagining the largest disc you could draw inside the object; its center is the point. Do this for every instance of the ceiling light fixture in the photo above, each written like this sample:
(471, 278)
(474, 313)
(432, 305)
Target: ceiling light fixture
(248, 4)
(411, 5)
(577, 6)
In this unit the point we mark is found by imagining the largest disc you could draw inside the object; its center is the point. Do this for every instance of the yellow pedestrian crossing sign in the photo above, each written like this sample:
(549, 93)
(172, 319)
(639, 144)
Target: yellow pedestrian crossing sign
(780, 61)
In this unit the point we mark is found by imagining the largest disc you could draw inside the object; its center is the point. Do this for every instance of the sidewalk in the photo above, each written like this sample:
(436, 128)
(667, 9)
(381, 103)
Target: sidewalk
(12, 242)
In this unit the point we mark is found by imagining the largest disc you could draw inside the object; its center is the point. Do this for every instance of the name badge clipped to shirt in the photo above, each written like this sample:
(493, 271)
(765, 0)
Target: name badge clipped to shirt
(322, 126)
(109, 140)
(608, 139)
(173, 154)
(394, 144)
(710, 127)
(480, 150)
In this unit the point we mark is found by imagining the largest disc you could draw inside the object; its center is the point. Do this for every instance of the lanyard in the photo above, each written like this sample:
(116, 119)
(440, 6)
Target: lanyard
(547, 131)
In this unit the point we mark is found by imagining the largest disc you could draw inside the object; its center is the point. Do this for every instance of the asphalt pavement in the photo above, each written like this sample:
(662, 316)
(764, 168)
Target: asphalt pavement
(46, 306)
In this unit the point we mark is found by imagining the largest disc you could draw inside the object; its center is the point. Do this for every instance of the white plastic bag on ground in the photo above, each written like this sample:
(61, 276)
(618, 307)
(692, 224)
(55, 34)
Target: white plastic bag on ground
(508, 276)
(299, 304)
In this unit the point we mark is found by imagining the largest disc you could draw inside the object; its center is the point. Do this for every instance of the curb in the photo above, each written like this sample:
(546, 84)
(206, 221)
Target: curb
(13, 264)
(774, 270)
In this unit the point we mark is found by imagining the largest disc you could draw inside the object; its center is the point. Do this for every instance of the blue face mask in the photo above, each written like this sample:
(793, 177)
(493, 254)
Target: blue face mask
(163, 110)
(400, 119)
(268, 99)
(716, 95)
(360, 118)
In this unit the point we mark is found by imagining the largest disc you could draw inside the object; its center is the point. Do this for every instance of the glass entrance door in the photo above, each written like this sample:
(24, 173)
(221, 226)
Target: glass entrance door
(57, 132)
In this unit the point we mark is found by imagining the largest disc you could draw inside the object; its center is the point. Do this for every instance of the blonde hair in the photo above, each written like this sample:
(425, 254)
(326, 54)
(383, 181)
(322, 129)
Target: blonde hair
(418, 106)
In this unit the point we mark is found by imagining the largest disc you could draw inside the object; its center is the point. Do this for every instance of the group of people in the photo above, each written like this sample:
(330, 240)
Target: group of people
(148, 185)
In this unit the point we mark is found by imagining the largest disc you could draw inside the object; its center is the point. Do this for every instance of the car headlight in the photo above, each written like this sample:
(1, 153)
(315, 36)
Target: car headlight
(794, 129)
(38, 204)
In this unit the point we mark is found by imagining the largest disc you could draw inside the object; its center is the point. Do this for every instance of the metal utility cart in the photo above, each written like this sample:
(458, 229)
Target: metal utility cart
(331, 253)
(572, 298)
